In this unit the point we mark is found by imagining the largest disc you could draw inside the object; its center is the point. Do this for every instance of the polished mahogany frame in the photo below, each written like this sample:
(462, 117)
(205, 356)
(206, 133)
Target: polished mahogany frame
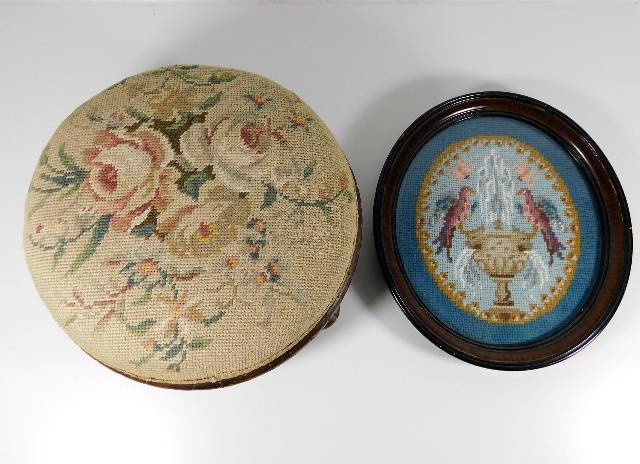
(616, 226)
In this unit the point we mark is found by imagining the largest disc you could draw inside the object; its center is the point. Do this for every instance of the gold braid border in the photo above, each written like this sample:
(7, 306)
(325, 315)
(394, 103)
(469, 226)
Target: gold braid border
(444, 160)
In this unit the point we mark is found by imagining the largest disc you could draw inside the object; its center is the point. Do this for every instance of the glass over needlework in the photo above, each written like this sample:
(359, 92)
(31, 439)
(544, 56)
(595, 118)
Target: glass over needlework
(498, 231)
(191, 223)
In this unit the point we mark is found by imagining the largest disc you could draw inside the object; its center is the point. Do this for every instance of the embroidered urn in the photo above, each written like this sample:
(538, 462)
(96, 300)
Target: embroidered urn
(192, 226)
(502, 255)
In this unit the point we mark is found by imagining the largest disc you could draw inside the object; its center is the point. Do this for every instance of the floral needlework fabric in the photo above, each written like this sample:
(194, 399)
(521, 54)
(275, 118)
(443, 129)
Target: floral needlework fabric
(505, 229)
(191, 224)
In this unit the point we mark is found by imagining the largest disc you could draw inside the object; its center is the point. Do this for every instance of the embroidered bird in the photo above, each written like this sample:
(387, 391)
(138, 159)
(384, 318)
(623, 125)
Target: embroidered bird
(458, 212)
(542, 215)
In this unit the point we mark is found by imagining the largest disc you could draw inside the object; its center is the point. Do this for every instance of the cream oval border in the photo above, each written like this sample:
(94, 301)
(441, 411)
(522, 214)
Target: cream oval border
(443, 160)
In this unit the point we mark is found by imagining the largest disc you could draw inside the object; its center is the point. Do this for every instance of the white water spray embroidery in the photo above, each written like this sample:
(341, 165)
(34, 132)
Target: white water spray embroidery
(496, 196)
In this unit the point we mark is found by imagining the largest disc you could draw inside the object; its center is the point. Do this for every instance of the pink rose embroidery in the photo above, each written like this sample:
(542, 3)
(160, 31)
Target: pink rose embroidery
(125, 172)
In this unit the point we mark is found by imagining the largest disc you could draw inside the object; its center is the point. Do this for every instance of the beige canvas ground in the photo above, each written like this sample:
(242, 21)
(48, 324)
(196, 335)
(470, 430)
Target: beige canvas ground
(190, 224)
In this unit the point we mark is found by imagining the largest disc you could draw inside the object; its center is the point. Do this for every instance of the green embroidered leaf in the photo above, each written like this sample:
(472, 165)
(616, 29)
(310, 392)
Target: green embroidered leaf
(188, 274)
(120, 307)
(177, 123)
(175, 366)
(68, 160)
(73, 188)
(100, 230)
(144, 298)
(70, 321)
(213, 319)
(198, 343)
(143, 359)
(94, 116)
(193, 183)
(62, 180)
(220, 77)
(142, 327)
(58, 254)
(211, 101)
(48, 190)
(309, 168)
(134, 113)
(171, 353)
(349, 194)
(144, 229)
(270, 197)
(327, 213)
(44, 156)
(72, 179)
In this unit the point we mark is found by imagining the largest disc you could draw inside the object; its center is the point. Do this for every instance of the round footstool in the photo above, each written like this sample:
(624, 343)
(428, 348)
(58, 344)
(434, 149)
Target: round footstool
(192, 226)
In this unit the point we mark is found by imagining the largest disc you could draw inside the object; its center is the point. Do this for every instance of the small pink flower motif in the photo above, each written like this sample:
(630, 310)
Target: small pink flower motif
(525, 173)
(462, 170)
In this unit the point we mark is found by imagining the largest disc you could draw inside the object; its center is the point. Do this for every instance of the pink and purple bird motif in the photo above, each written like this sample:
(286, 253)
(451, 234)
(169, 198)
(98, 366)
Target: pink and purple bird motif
(539, 213)
(458, 212)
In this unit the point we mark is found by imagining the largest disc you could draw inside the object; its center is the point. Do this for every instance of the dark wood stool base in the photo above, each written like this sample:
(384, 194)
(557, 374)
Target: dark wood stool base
(333, 319)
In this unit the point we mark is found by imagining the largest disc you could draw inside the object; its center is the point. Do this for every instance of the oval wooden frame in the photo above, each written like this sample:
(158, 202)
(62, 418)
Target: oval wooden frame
(617, 237)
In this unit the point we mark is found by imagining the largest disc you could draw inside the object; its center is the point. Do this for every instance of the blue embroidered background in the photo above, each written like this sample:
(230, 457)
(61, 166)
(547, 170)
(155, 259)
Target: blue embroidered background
(421, 279)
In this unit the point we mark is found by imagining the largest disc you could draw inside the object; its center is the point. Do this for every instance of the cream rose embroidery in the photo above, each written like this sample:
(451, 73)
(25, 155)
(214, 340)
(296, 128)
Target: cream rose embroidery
(201, 228)
(236, 150)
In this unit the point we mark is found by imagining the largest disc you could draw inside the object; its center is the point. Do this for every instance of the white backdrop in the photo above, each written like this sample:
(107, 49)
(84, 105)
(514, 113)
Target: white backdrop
(371, 389)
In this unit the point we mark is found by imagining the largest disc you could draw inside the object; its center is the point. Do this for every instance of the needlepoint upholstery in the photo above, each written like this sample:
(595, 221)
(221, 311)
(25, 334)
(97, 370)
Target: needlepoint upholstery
(191, 225)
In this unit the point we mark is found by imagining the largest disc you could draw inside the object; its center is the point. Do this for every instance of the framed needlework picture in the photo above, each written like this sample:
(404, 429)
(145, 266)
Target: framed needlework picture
(503, 231)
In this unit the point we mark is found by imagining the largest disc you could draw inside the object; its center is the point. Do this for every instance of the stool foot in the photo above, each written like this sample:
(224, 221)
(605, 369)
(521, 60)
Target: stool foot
(333, 319)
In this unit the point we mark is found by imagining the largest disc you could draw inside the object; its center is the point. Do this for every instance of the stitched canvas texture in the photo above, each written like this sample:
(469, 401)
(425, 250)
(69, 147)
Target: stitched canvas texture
(499, 230)
(190, 224)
